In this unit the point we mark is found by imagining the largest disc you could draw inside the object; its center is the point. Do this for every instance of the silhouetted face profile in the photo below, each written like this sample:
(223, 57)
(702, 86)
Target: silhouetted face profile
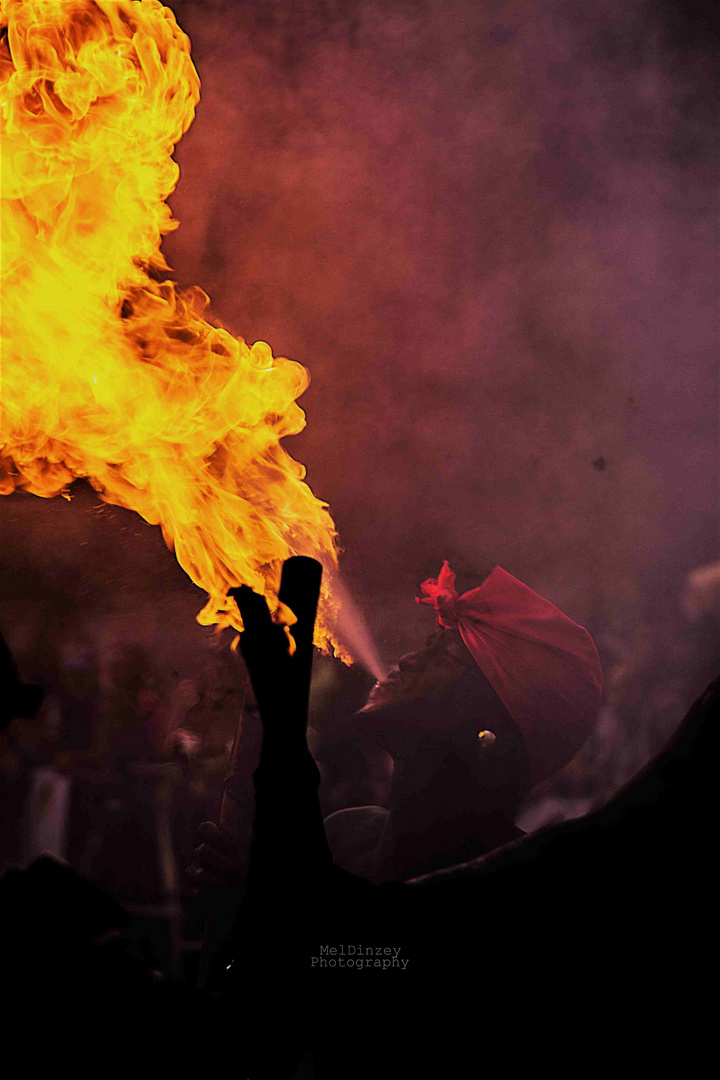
(422, 674)
(429, 712)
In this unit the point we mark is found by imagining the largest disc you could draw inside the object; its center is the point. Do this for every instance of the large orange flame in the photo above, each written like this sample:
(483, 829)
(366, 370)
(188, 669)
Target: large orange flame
(108, 371)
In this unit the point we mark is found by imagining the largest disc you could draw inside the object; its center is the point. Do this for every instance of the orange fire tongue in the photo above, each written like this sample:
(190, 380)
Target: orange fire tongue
(108, 371)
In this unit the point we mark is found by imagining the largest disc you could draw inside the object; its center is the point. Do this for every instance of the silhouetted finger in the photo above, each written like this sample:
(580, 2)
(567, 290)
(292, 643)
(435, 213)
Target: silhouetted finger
(253, 610)
(300, 590)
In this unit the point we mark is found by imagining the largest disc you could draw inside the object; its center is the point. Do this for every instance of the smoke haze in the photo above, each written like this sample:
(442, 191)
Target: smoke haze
(488, 229)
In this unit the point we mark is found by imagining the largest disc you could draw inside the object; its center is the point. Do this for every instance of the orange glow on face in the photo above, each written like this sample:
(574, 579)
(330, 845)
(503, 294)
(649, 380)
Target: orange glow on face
(109, 372)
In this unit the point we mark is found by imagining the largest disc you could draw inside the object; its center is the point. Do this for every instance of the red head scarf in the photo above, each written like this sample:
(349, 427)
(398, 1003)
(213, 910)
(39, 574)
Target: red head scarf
(543, 666)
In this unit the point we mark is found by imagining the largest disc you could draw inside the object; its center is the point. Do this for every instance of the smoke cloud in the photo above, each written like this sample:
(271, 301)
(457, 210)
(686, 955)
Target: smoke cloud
(488, 231)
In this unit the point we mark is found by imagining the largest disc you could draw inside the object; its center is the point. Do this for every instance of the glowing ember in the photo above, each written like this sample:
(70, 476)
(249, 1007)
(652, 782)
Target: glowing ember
(108, 371)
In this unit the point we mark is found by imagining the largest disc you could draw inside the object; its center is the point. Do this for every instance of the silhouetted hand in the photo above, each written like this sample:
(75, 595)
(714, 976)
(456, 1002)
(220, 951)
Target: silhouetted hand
(278, 656)
(278, 651)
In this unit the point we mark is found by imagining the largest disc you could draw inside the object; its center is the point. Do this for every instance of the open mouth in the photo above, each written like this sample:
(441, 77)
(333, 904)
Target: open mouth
(386, 691)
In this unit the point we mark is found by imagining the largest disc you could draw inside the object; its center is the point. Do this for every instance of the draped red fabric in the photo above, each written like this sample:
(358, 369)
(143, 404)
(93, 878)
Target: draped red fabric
(543, 666)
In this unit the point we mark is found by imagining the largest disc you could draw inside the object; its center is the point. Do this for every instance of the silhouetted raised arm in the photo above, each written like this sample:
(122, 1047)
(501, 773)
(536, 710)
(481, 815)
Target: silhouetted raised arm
(288, 833)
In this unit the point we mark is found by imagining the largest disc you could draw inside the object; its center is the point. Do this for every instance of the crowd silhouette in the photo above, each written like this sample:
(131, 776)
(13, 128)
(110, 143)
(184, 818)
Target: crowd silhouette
(428, 936)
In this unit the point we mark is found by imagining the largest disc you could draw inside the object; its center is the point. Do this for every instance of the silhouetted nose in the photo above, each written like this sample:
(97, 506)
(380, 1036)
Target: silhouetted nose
(412, 662)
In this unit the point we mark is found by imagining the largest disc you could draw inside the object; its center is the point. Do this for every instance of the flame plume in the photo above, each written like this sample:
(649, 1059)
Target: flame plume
(109, 372)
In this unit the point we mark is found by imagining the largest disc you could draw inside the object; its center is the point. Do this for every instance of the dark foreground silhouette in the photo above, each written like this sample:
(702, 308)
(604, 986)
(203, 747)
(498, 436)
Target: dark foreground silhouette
(584, 948)
(589, 939)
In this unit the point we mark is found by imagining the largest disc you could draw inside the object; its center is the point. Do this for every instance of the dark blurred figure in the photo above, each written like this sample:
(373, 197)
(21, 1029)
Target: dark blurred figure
(66, 952)
(136, 724)
(74, 978)
(17, 699)
(22, 735)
